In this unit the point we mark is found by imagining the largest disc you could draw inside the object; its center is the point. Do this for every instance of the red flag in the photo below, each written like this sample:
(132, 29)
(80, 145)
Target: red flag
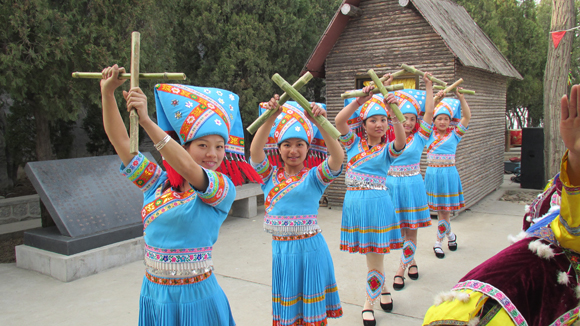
(557, 37)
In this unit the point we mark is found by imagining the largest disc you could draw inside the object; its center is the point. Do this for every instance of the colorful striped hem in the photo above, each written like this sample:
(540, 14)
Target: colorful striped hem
(367, 249)
(369, 230)
(446, 208)
(178, 281)
(412, 210)
(415, 225)
(334, 313)
(312, 298)
(436, 195)
(566, 318)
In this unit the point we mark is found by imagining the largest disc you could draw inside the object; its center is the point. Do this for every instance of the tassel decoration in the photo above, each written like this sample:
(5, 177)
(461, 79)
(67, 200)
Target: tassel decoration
(175, 179)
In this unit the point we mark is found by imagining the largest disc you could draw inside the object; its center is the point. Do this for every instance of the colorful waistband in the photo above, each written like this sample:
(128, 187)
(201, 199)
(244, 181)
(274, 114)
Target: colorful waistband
(178, 281)
(440, 165)
(180, 262)
(405, 170)
(359, 181)
(441, 159)
(294, 237)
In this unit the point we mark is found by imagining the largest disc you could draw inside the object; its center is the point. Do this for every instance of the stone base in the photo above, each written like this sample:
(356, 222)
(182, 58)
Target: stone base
(69, 268)
(245, 204)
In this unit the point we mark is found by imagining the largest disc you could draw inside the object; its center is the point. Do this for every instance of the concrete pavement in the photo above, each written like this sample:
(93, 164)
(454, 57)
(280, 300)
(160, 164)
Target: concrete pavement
(242, 258)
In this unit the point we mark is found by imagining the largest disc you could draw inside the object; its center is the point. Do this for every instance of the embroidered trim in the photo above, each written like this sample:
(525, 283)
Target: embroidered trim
(348, 139)
(290, 225)
(298, 321)
(288, 120)
(365, 154)
(494, 293)
(307, 299)
(460, 130)
(425, 130)
(217, 188)
(324, 174)
(439, 140)
(264, 169)
(164, 202)
(575, 231)
(405, 170)
(294, 237)
(361, 181)
(375, 281)
(178, 281)
(282, 186)
(567, 317)
(394, 153)
(143, 173)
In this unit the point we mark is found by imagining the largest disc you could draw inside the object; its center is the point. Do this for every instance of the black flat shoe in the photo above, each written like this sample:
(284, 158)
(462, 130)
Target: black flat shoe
(439, 252)
(369, 322)
(388, 307)
(398, 286)
(452, 244)
(413, 276)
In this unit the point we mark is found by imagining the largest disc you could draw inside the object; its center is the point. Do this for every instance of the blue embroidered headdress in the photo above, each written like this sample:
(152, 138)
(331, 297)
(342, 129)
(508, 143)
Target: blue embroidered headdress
(292, 123)
(189, 112)
(374, 106)
(411, 101)
(450, 107)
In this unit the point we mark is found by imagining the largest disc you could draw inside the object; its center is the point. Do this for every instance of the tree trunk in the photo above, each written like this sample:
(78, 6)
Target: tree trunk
(555, 84)
(43, 146)
(5, 180)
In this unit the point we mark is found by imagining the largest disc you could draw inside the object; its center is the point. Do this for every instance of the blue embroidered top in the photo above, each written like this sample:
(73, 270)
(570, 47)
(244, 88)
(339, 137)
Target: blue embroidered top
(409, 162)
(442, 149)
(179, 228)
(292, 202)
(367, 167)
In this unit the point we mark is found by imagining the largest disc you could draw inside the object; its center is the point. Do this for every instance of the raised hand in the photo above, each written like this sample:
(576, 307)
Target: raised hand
(460, 96)
(389, 79)
(368, 90)
(316, 111)
(570, 121)
(137, 100)
(426, 79)
(273, 103)
(111, 80)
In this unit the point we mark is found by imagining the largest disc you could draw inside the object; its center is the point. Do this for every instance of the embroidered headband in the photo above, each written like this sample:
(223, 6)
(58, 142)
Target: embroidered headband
(411, 101)
(450, 107)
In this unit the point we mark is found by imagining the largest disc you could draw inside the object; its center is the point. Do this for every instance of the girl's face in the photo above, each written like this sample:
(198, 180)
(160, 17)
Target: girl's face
(293, 151)
(442, 122)
(410, 123)
(376, 126)
(207, 151)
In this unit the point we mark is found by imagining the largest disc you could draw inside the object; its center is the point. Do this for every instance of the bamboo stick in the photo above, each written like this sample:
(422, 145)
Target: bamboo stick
(285, 97)
(161, 75)
(438, 99)
(133, 116)
(462, 91)
(322, 121)
(421, 73)
(375, 90)
(383, 91)
(395, 74)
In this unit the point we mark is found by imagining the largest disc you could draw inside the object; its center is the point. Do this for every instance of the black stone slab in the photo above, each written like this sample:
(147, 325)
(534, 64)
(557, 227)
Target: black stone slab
(89, 201)
(50, 239)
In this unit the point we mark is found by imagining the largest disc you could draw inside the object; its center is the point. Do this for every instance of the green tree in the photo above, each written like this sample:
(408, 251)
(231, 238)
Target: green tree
(239, 44)
(43, 41)
(516, 29)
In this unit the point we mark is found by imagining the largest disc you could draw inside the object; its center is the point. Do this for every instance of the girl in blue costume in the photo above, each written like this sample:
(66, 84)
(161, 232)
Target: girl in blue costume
(369, 225)
(304, 290)
(404, 179)
(442, 181)
(182, 211)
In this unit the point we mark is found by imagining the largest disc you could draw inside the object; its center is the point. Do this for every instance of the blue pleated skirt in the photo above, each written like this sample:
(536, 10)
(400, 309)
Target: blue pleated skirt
(410, 201)
(202, 303)
(444, 190)
(369, 223)
(304, 290)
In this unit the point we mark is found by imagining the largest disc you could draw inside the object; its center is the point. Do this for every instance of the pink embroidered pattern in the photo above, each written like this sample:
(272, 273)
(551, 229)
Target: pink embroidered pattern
(216, 190)
(164, 202)
(177, 255)
(494, 293)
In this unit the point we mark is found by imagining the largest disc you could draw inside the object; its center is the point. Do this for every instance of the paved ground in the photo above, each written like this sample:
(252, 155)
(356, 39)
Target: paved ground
(242, 258)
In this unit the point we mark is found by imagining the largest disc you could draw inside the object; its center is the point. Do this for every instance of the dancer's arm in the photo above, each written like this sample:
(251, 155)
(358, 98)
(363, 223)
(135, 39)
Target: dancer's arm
(465, 111)
(342, 117)
(400, 139)
(257, 154)
(332, 145)
(173, 152)
(429, 104)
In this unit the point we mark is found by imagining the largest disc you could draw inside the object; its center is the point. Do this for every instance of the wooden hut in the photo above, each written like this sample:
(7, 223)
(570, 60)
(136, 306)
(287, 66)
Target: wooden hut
(437, 36)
